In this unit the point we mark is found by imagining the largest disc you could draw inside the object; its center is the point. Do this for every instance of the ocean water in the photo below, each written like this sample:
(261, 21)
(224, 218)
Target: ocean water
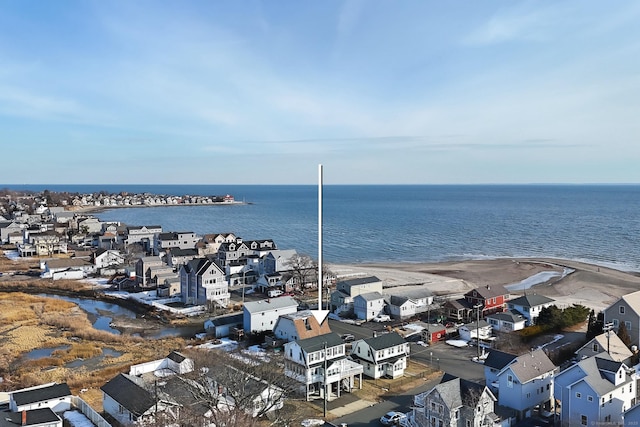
(599, 224)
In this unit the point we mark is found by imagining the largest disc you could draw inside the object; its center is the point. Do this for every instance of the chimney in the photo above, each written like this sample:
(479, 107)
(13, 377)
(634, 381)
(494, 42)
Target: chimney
(24, 418)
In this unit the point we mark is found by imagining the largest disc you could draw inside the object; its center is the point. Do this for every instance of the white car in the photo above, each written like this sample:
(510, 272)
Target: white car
(393, 418)
(382, 318)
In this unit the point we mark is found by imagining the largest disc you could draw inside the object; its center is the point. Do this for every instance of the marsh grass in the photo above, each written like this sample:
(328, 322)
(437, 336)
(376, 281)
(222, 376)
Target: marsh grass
(29, 322)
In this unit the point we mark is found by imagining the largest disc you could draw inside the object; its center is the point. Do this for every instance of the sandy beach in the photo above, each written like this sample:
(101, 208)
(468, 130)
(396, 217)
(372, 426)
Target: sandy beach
(573, 283)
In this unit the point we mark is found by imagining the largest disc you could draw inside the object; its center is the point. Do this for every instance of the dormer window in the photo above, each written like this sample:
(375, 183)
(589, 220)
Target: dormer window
(622, 309)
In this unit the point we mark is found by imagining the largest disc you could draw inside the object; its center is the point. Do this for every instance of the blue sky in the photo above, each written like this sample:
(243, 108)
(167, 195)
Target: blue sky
(379, 92)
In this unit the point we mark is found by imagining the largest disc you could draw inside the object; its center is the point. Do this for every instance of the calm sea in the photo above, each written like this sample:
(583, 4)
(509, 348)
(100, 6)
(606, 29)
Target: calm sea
(411, 223)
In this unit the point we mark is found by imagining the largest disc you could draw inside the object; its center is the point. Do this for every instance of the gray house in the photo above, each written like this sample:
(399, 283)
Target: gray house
(626, 310)
(455, 402)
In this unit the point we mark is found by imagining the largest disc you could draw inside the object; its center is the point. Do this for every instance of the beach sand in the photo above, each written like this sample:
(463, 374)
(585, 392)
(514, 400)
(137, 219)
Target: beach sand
(593, 286)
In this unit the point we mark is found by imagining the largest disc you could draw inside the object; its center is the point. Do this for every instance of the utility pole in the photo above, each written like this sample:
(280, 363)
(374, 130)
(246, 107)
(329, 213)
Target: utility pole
(477, 307)
(325, 382)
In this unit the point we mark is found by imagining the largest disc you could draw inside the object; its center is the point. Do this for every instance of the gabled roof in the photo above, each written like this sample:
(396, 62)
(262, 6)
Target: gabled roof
(125, 390)
(498, 359)
(612, 345)
(34, 417)
(508, 316)
(633, 300)
(472, 326)
(458, 392)
(370, 296)
(532, 300)
(383, 341)
(40, 394)
(359, 281)
(489, 291)
(309, 345)
(305, 324)
(270, 304)
(67, 263)
(531, 365)
(593, 369)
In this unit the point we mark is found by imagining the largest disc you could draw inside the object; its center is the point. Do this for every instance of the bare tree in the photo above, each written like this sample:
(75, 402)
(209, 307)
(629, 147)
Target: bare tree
(240, 390)
(301, 267)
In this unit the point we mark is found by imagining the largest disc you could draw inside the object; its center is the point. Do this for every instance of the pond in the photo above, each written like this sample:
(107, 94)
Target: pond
(102, 313)
(39, 353)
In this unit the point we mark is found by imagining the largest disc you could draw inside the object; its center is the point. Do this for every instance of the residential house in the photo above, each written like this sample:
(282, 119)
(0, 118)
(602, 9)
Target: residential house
(66, 268)
(224, 326)
(631, 416)
(9, 227)
(46, 243)
(407, 301)
(143, 269)
(176, 256)
(488, 299)
(530, 305)
(43, 417)
(506, 321)
(174, 363)
(321, 366)
(454, 402)
(276, 260)
(493, 364)
(368, 305)
(347, 290)
(481, 330)
(56, 397)
(595, 391)
(608, 342)
(234, 252)
(103, 258)
(167, 284)
(626, 310)
(90, 225)
(176, 239)
(210, 243)
(203, 281)
(385, 355)
(143, 235)
(299, 326)
(261, 316)
(527, 382)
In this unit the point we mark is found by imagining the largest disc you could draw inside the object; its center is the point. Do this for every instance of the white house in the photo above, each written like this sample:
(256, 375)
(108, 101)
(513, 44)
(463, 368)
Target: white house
(320, 363)
(408, 300)
(347, 290)
(526, 382)
(530, 306)
(476, 330)
(507, 321)
(107, 257)
(368, 305)
(595, 391)
(385, 355)
(56, 397)
(260, 316)
(174, 363)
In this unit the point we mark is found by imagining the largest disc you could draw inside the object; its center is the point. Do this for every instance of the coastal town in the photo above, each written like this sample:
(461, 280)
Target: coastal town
(469, 354)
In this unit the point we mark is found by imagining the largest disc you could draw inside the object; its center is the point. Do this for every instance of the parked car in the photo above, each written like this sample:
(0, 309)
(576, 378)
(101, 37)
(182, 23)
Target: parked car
(392, 418)
(274, 293)
(382, 318)
(348, 337)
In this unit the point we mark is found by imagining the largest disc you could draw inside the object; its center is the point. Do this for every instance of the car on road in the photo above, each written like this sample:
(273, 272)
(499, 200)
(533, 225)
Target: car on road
(392, 418)
(348, 337)
(382, 318)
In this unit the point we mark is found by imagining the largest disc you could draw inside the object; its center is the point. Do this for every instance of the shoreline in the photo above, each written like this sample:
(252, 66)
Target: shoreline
(591, 285)
(93, 209)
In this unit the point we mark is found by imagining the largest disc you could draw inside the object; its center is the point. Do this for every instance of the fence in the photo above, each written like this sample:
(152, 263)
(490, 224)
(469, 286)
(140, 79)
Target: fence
(89, 412)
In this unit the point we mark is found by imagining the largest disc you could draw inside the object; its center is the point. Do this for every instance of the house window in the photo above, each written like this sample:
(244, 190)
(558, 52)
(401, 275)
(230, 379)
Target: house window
(596, 348)
(583, 420)
(622, 309)
(578, 396)
(590, 398)
(615, 323)
(510, 381)
(627, 325)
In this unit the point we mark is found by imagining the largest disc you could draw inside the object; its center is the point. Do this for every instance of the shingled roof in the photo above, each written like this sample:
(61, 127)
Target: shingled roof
(55, 391)
(125, 390)
(383, 341)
